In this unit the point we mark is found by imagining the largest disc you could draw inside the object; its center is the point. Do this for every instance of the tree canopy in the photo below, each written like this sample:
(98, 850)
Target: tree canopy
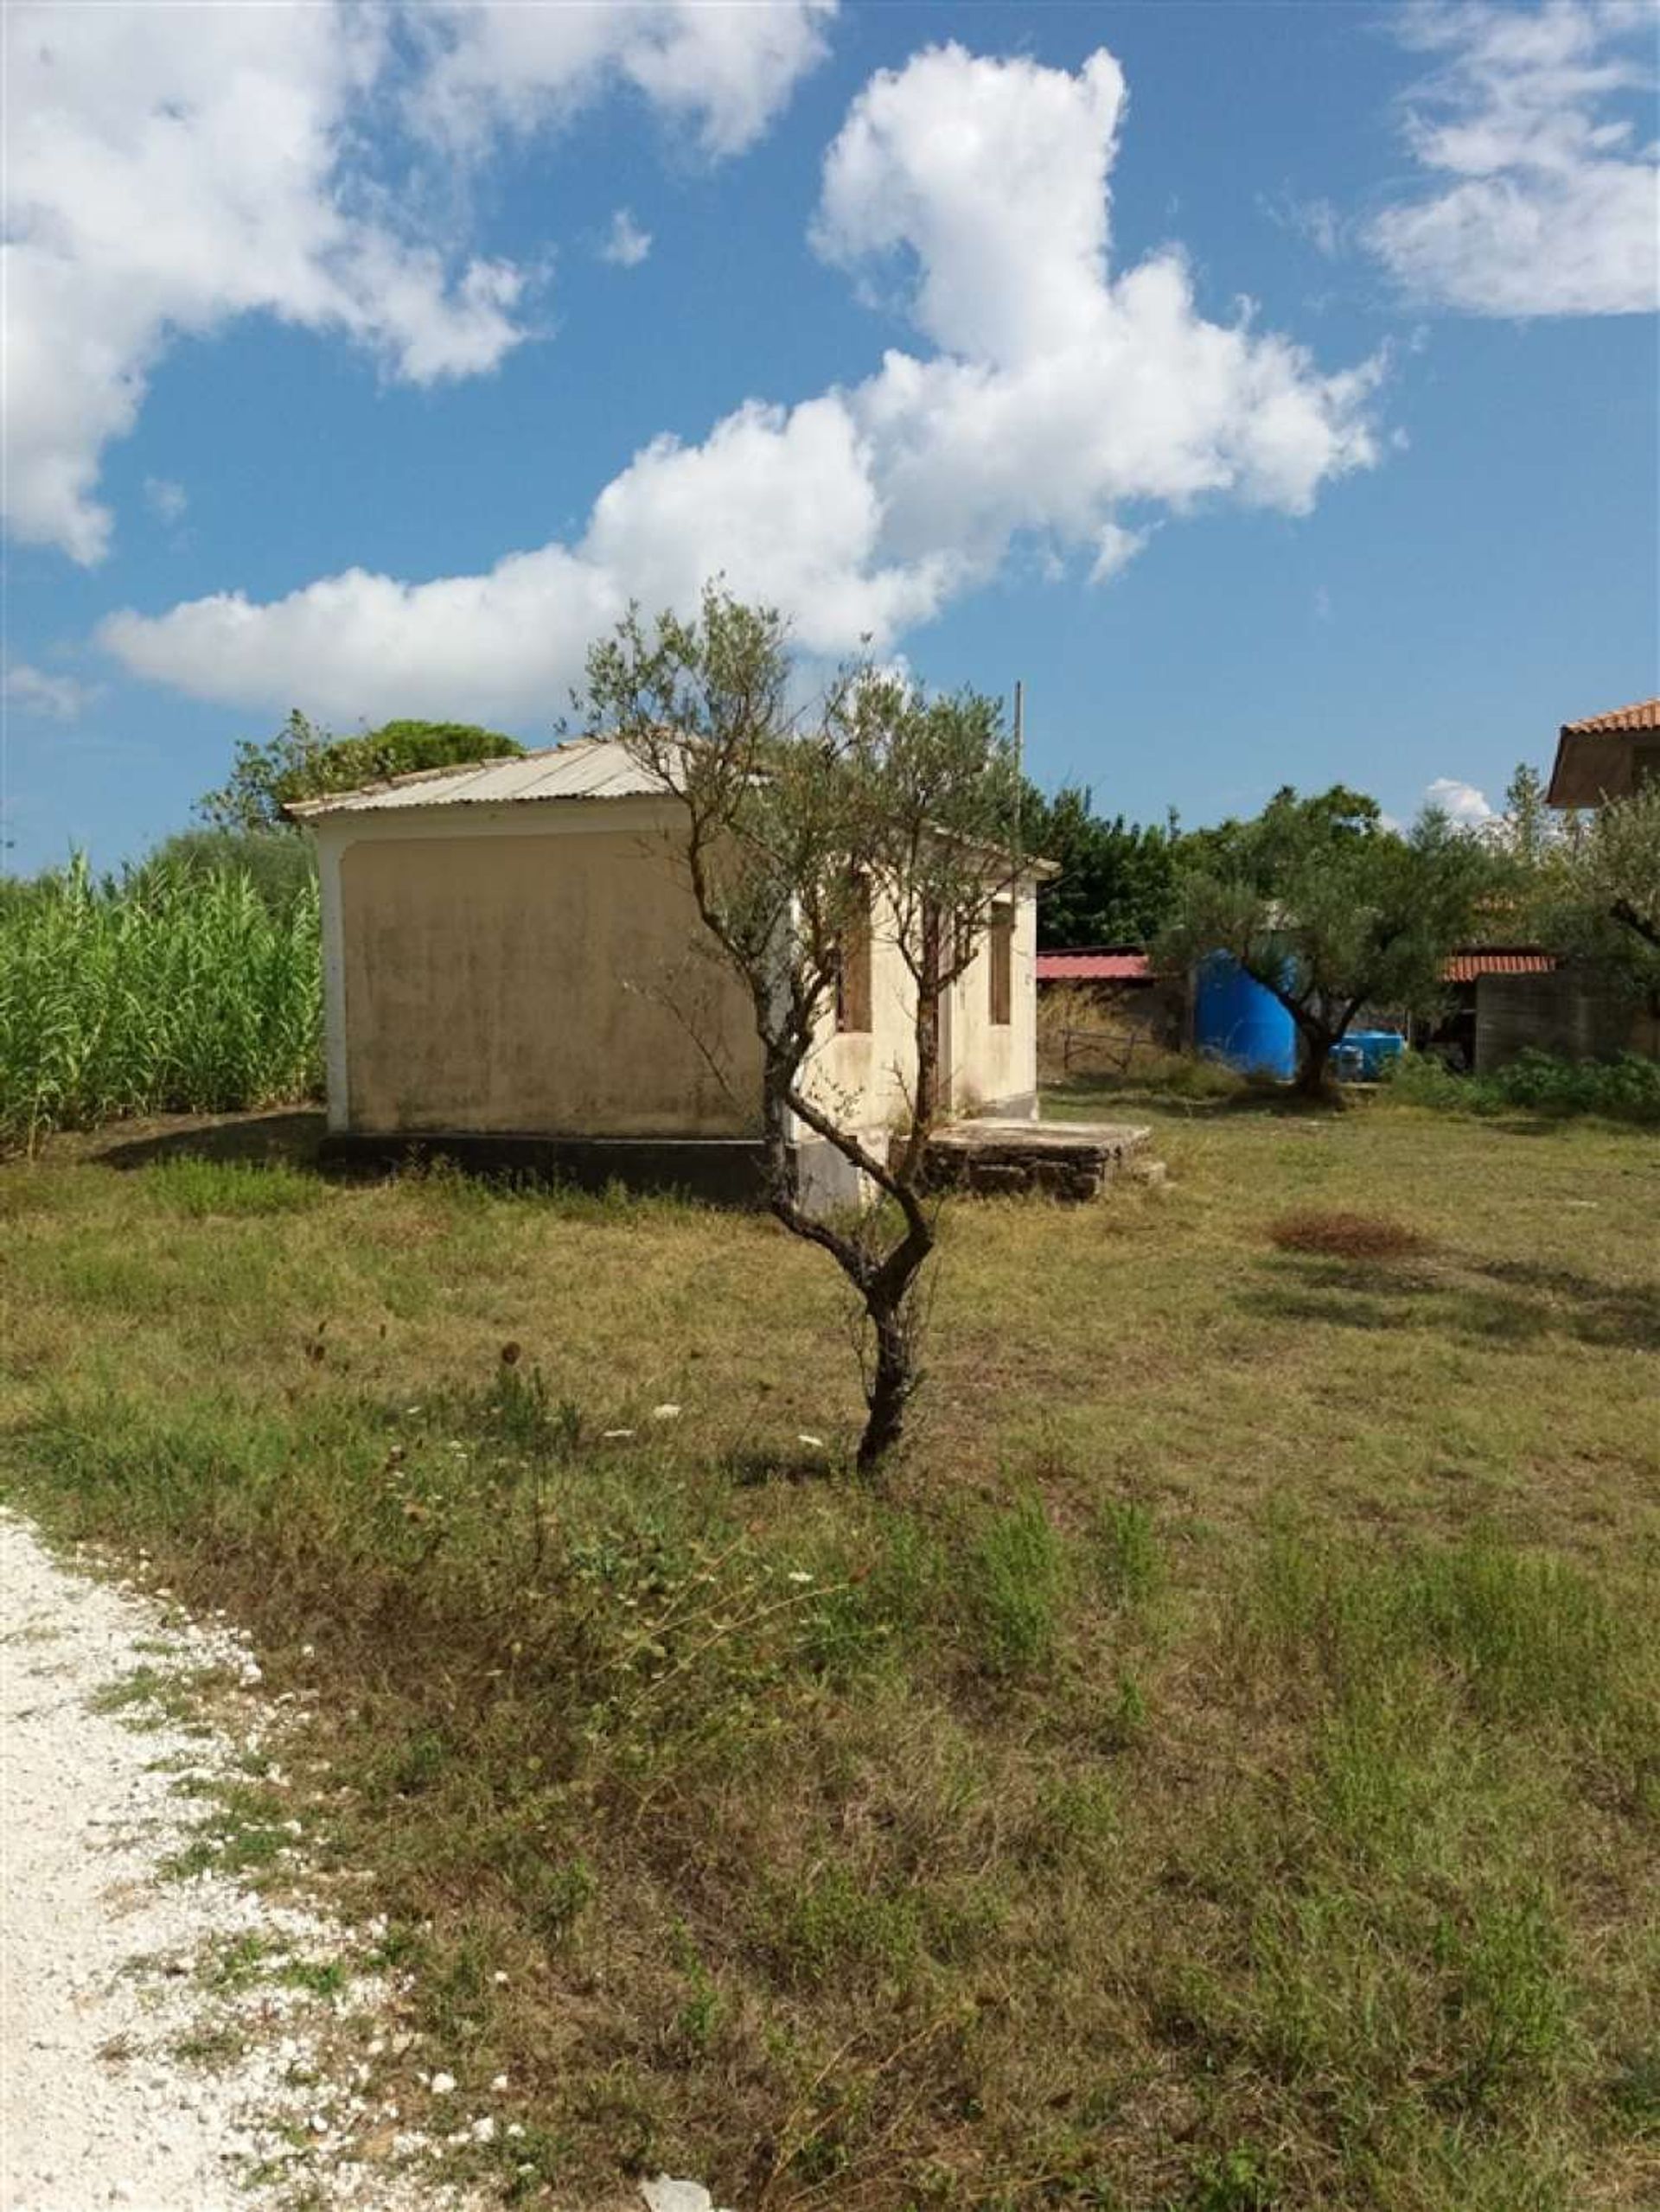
(279, 865)
(1597, 890)
(302, 761)
(1117, 883)
(1330, 909)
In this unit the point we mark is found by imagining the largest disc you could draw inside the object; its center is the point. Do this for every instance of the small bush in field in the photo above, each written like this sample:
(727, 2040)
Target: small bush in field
(1017, 1580)
(1236, 2181)
(1339, 1235)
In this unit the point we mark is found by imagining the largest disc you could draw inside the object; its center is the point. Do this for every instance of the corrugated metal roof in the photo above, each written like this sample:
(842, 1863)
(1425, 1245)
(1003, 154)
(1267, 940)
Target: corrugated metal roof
(586, 767)
(1120, 966)
(1644, 715)
(1475, 961)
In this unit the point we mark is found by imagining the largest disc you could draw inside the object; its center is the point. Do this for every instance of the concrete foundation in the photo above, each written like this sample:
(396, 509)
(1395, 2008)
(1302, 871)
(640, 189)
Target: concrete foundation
(1070, 1160)
(721, 1171)
(1073, 1160)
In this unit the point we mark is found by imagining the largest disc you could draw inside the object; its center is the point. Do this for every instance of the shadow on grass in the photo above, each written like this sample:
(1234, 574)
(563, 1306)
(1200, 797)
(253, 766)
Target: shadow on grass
(755, 1466)
(1489, 1303)
(290, 1138)
(1234, 1095)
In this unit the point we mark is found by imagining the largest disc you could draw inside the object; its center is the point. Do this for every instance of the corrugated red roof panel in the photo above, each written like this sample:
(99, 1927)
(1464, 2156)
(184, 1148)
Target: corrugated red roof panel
(1118, 966)
(1644, 715)
(1478, 961)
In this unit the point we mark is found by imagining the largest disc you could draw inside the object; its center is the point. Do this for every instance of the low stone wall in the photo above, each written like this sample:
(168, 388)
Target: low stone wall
(1074, 1161)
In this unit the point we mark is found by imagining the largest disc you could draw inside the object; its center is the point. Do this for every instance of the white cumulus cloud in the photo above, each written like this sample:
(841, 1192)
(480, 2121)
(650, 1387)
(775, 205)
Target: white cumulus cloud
(625, 245)
(1051, 393)
(1115, 548)
(723, 67)
(1461, 802)
(165, 497)
(35, 692)
(169, 169)
(507, 642)
(1541, 198)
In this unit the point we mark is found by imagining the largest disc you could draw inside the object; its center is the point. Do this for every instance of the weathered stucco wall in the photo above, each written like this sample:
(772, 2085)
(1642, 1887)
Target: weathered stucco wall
(546, 973)
(995, 1064)
(983, 1063)
(866, 1074)
(546, 980)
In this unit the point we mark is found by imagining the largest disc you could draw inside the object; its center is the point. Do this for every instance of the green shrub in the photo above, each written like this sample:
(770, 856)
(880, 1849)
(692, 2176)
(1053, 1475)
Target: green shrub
(1623, 1089)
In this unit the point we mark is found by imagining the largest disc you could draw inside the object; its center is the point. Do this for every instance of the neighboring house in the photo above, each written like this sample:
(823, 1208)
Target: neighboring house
(514, 971)
(1606, 755)
(1479, 979)
(1501, 999)
(1099, 1005)
(1576, 1016)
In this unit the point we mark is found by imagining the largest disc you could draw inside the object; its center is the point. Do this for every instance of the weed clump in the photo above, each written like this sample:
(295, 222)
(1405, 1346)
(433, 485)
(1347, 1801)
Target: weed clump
(1017, 1584)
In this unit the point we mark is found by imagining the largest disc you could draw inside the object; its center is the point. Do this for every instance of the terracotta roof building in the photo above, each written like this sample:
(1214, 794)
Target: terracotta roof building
(1096, 964)
(1606, 755)
(1471, 962)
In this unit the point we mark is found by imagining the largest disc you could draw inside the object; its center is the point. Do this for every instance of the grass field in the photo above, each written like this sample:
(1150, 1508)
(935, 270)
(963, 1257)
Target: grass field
(1219, 1770)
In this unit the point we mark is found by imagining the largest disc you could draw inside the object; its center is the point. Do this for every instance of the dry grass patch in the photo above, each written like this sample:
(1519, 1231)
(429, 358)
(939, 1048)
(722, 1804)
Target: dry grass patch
(1337, 1234)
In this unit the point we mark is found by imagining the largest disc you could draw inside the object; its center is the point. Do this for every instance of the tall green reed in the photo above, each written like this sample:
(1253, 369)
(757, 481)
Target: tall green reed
(162, 991)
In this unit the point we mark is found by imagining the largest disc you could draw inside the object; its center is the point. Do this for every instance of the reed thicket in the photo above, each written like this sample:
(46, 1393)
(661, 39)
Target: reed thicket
(165, 990)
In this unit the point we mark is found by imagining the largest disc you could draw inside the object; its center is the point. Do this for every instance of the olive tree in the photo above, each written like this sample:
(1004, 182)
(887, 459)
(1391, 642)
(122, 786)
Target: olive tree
(1599, 894)
(876, 809)
(1330, 910)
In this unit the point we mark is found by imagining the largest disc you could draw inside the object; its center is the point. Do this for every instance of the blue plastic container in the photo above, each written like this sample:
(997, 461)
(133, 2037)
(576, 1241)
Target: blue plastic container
(1237, 1022)
(1364, 1055)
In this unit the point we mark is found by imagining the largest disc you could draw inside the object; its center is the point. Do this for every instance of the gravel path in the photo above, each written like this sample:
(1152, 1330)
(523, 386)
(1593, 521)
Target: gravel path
(97, 2106)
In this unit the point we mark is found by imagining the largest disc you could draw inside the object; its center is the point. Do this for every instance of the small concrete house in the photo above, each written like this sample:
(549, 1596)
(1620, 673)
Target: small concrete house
(1606, 755)
(514, 971)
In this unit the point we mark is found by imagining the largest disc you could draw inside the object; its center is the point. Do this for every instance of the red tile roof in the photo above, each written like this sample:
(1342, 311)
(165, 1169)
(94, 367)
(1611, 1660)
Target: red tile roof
(1478, 961)
(1120, 965)
(1644, 715)
(1124, 965)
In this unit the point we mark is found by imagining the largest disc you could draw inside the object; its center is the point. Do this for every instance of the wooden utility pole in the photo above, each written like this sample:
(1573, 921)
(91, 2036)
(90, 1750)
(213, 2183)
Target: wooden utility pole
(1019, 765)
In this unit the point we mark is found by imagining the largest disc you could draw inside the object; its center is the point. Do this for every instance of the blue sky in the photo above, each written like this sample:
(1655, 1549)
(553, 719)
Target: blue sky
(1274, 388)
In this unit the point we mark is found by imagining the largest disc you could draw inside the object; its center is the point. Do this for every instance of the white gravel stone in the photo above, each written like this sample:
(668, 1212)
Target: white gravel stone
(665, 2193)
(95, 2108)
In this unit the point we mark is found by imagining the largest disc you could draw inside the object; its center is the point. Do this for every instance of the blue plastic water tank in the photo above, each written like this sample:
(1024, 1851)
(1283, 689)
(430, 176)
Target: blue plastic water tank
(1236, 1021)
(1364, 1055)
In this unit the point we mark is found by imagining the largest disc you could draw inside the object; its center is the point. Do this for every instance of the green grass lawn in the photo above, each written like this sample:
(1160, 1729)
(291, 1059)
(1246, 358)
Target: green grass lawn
(1219, 1770)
